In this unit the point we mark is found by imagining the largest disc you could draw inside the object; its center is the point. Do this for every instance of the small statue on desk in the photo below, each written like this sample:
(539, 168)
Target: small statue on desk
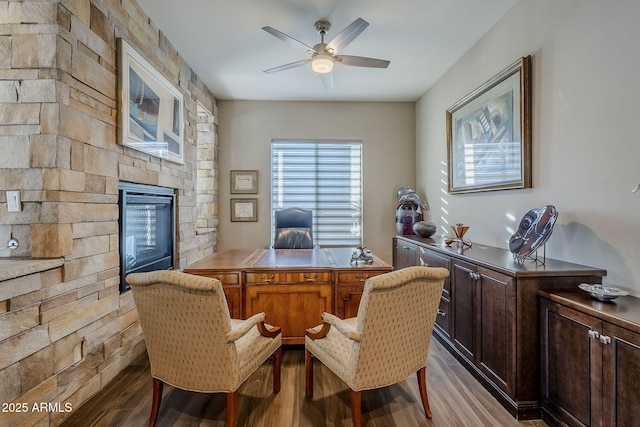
(361, 256)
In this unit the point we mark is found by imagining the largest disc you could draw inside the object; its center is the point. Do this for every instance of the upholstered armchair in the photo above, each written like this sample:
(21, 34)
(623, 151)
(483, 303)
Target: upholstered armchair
(293, 229)
(192, 342)
(387, 341)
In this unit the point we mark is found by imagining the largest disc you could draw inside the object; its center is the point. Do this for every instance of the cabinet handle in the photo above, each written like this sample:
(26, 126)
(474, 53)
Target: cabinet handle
(604, 339)
(310, 278)
(594, 334)
(423, 264)
(442, 313)
(362, 277)
(268, 278)
(474, 275)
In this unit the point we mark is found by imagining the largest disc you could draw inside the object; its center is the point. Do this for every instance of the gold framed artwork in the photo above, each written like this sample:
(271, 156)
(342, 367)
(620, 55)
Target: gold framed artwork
(150, 107)
(489, 134)
(244, 182)
(244, 210)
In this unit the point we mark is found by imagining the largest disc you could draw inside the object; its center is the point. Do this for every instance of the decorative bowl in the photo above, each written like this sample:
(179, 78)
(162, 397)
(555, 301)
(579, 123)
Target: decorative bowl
(425, 228)
(603, 292)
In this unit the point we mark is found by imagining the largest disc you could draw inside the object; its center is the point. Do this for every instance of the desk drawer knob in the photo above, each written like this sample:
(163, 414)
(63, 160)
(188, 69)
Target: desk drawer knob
(310, 277)
(362, 277)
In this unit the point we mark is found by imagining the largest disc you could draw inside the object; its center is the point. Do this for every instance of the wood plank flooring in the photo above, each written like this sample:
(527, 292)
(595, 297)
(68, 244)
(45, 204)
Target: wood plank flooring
(456, 399)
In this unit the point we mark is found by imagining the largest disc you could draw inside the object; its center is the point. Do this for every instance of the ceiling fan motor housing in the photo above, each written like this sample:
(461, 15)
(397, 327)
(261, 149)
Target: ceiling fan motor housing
(322, 26)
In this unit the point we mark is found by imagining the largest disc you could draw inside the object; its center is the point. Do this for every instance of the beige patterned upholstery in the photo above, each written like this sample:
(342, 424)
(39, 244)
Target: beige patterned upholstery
(387, 341)
(192, 342)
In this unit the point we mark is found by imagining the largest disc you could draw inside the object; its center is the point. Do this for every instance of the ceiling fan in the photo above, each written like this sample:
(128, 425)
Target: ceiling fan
(324, 55)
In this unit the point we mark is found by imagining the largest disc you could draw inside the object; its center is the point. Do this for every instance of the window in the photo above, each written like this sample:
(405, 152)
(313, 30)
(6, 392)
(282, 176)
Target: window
(326, 177)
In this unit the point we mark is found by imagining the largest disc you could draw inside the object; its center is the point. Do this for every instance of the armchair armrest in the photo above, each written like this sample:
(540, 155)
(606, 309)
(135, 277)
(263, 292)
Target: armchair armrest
(266, 332)
(241, 329)
(346, 329)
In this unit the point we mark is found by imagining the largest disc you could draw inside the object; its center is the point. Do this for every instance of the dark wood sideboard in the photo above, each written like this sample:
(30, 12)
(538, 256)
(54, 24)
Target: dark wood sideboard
(488, 316)
(590, 359)
(292, 286)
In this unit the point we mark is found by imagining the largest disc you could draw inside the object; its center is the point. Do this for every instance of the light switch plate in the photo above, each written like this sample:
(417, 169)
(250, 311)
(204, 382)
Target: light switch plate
(13, 201)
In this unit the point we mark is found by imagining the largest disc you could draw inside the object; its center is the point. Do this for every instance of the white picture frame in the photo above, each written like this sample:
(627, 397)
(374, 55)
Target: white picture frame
(150, 108)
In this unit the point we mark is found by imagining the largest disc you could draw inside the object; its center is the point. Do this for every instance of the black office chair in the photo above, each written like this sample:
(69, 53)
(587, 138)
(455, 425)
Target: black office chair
(294, 229)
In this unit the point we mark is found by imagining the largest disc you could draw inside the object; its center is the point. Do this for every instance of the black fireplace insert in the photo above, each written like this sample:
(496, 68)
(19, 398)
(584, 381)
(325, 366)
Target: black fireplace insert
(147, 229)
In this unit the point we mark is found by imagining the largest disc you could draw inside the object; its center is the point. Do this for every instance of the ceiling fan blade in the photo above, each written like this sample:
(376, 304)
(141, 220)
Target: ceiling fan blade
(347, 35)
(327, 80)
(287, 66)
(361, 61)
(288, 39)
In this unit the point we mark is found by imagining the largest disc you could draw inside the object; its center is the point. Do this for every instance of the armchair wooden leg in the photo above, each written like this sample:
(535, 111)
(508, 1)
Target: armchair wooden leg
(232, 408)
(157, 398)
(356, 408)
(422, 385)
(308, 369)
(277, 364)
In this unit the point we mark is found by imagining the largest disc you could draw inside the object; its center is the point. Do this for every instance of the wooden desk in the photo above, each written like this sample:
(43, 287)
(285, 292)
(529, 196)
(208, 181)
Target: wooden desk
(292, 286)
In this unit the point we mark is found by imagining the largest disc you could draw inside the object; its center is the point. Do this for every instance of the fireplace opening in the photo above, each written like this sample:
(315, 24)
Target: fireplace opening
(147, 229)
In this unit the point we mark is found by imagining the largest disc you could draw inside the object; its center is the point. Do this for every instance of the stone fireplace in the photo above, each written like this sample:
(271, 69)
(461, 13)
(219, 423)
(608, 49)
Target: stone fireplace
(65, 328)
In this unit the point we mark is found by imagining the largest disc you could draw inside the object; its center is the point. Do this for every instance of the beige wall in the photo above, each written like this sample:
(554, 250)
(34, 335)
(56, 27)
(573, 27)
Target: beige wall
(385, 128)
(586, 146)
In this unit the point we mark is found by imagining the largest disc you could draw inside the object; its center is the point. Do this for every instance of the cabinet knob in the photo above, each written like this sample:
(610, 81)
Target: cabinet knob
(474, 275)
(593, 334)
(442, 313)
(310, 277)
(604, 339)
(268, 278)
(362, 277)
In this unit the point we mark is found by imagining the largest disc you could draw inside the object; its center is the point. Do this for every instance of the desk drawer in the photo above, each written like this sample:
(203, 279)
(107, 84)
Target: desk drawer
(227, 278)
(358, 276)
(287, 277)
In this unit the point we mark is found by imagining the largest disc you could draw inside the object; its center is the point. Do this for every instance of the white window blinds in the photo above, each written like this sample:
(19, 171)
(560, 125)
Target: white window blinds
(326, 177)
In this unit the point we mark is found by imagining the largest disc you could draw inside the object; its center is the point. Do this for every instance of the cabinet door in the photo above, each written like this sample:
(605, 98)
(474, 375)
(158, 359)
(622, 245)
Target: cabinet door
(621, 376)
(571, 373)
(496, 351)
(406, 254)
(463, 284)
(349, 289)
(231, 285)
(292, 307)
(348, 301)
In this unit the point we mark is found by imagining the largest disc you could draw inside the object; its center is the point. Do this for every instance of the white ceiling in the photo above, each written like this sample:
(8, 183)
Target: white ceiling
(223, 42)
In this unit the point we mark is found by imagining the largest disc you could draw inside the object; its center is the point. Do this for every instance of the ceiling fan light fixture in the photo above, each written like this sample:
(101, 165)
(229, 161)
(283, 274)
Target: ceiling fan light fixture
(322, 63)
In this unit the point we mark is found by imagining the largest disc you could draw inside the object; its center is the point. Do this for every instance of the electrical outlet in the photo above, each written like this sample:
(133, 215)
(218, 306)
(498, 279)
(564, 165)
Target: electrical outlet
(13, 201)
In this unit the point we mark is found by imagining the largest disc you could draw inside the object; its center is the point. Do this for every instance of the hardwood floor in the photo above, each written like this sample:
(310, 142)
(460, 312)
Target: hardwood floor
(456, 399)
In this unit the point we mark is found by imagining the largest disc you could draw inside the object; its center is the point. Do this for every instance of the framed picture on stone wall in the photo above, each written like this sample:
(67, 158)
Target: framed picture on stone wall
(150, 108)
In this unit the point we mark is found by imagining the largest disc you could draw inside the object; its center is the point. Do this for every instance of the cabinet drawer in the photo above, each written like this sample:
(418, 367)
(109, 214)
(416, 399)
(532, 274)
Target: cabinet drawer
(357, 276)
(429, 258)
(443, 319)
(291, 277)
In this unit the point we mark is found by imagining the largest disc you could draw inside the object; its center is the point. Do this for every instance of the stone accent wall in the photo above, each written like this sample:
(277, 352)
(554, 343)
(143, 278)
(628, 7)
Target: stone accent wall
(66, 332)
